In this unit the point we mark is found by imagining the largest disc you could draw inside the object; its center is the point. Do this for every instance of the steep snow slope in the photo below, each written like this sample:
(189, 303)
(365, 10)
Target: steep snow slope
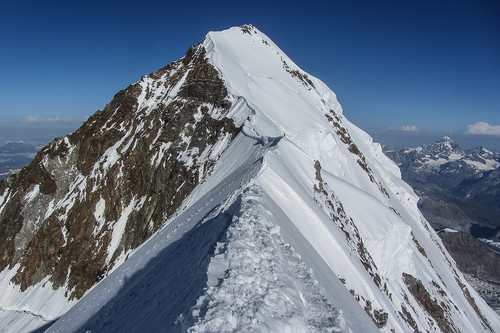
(302, 225)
(259, 280)
(343, 195)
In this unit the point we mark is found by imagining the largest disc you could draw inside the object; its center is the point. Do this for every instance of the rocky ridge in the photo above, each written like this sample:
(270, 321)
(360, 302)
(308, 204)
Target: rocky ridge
(88, 199)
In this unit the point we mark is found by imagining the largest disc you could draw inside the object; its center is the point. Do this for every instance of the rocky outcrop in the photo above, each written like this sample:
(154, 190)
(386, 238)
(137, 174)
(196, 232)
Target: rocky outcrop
(433, 308)
(89, 198)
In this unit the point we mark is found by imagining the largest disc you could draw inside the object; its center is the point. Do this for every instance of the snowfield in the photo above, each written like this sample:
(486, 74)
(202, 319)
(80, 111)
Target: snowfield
(304, 225)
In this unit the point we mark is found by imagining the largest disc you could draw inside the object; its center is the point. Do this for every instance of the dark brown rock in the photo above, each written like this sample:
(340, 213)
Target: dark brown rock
(127, 156)
(435, 310)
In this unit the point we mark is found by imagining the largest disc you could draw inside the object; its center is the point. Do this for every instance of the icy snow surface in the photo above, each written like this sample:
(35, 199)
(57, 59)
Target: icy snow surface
(257, 282)
(381, 208)
(37, 306)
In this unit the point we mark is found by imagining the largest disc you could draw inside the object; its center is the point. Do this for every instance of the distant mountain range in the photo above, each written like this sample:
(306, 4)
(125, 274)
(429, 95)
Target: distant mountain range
(15, 155)
(458, 189)
(459, 194)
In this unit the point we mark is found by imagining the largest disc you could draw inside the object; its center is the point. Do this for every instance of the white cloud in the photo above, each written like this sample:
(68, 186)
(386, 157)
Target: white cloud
(32, 119)
(39, 119)
(483, 128)
(410, 128)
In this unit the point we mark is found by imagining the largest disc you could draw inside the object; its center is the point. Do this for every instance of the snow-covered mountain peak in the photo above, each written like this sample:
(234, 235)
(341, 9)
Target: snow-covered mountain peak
(446, 139)
(446, 156)
(273, 97)
(231, 195)
(446, 148)
(285, 98)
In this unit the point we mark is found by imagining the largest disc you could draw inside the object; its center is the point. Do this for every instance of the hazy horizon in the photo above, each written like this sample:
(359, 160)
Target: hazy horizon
(44, 131)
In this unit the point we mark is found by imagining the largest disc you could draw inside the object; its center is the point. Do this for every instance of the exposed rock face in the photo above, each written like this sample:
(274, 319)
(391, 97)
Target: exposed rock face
(485, 189)
(489, 291)
(89, 198)
(435, 310)
(480, 265)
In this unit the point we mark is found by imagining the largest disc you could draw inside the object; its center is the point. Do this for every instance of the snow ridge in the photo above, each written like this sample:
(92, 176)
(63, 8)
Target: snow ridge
(257, 282)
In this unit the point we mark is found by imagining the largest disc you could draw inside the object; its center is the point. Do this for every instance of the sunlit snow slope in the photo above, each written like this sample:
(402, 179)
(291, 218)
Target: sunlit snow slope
(343, 196)
(303, 225)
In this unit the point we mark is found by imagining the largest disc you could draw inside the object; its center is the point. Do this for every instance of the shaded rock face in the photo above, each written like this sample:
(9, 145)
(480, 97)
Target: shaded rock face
(89, 198)
(472, 256)
(485, 190)
(479, 263)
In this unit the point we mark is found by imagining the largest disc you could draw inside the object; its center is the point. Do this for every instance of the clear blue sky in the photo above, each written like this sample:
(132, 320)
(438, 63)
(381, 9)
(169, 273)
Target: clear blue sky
(434, 65)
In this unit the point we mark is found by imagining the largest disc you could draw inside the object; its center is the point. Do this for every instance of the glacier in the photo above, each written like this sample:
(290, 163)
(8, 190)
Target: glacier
(302, 225)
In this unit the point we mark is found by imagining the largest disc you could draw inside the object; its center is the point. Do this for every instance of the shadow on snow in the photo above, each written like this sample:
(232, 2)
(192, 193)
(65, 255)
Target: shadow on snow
(166, 289)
